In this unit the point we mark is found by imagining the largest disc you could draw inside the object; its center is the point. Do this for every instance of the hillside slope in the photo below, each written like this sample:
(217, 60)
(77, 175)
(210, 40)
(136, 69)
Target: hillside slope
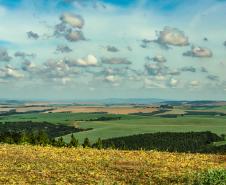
(21, 164)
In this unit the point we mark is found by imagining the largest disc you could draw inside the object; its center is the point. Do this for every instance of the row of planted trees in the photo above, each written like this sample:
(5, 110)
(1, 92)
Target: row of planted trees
(41, 138)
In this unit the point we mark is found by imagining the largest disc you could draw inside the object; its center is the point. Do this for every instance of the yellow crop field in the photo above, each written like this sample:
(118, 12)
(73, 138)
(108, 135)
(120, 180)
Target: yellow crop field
(22, 164)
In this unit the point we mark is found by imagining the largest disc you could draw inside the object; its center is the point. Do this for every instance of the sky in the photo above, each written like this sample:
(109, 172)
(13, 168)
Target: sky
(95, 49)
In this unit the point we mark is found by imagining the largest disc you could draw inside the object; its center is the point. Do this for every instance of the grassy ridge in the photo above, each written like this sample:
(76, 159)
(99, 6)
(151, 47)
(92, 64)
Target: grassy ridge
(48, 165)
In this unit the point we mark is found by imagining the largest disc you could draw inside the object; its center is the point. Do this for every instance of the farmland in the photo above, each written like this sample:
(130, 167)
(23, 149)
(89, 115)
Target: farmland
(58, 164)
(126, 125)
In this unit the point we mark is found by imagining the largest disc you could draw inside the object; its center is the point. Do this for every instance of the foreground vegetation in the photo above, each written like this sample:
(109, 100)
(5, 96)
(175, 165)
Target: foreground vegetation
(23, 164)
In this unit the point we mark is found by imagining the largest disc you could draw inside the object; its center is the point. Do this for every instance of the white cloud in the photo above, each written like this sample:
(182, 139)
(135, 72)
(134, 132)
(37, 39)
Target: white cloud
(89, 61)
(194, 83)
(150, 83)
(73, 20)
(10, 72)
(111, 78)
(173, 82)
(199, 52)
(172, 36)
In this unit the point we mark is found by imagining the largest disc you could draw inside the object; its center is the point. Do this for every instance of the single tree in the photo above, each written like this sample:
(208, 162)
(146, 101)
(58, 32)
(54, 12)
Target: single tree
(86, 143)
(42, 138)
(23, 138)
(73, 142)
(99, 144)
(60, 142)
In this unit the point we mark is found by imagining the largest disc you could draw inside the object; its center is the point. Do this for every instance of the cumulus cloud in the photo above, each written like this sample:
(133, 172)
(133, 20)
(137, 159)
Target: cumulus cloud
(158, 58)
(116, 71)
(56, 71)
(4, 56)
(32, 35)
(145, 43)
(61, 29)
(63, 49)
(10, 72)
(172, 36)
(28, 66)
(151, 83)
(74, 36)
(70, 27)
(154, 69)
(213, 77)
(115, 60)
(89, 61)
(24, 55)
(194, 83)
(112, 49)
(75, 21)
(174, 72)
(188, 69)
(160, 82)
(111, 78)
(199, 52)
(173, 82)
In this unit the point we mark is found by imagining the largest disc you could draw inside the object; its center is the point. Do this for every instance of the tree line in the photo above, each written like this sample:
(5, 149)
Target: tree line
(43, 139)
(194, 142)
(168, 141)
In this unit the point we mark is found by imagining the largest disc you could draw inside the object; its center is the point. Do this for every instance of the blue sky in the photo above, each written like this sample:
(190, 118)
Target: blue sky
(71, 49)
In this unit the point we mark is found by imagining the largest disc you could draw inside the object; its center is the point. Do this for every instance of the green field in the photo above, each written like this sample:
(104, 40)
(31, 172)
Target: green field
(110, 129)
(128, 125)
(60, 118)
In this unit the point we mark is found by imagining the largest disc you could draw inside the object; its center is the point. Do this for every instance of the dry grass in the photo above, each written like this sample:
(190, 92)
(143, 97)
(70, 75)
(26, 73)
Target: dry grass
(48, 165)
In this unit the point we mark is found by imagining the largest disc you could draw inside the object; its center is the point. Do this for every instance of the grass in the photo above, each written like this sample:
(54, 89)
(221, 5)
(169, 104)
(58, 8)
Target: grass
(118, 128)
(21, 164)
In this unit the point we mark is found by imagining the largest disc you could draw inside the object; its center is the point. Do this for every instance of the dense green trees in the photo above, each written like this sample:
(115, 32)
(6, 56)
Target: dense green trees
(173, 142)
(53, 130)
(38, 138)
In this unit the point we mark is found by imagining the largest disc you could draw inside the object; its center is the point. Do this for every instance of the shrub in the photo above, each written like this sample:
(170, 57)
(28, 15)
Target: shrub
(211, 177)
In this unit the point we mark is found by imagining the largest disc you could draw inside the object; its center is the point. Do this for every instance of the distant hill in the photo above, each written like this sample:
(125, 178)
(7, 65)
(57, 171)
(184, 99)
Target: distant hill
(121, 101)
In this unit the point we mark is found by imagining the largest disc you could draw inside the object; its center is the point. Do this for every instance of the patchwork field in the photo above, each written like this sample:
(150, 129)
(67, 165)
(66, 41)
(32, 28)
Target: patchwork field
(126, 125)
(47, 165)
